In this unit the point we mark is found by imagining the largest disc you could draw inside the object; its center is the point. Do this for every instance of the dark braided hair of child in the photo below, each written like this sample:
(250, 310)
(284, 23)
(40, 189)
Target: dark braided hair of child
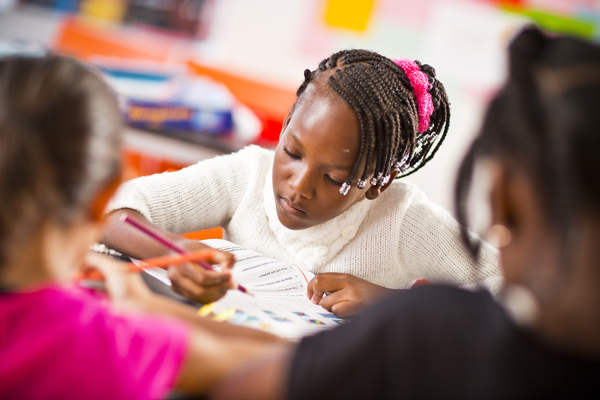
(546, 121)
(386, 104)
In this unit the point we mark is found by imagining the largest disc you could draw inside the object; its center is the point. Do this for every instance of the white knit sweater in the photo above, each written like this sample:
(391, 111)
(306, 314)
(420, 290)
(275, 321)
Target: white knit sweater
(390, 241)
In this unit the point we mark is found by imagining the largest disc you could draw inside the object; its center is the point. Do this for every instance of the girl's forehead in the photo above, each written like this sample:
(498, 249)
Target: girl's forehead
(320, 88)
(325, 111)
(326, 125)
(319, 93)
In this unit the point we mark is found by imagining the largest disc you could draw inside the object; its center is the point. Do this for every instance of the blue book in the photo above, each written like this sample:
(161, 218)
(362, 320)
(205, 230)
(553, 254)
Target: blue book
(169, 100)
(180, 117)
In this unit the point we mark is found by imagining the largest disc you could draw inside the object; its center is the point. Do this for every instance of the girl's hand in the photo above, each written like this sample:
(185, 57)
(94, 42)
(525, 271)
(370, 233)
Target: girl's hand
(191, 280)
(199, 284)
(344, 294)
(126, 289)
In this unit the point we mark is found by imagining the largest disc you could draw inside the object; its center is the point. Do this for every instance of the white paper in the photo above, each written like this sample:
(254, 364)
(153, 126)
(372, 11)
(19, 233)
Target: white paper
(278, 303)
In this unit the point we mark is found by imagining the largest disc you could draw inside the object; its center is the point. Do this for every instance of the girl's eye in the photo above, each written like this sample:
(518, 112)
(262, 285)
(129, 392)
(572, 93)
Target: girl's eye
(330, 179)
(290, 154)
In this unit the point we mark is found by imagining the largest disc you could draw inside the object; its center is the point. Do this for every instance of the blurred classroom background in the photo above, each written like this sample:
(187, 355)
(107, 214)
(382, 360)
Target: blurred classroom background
(205, 77)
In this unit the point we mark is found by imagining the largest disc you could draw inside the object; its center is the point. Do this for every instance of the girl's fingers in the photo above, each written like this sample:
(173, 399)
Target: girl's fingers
(344, 309)
(207, 257)
(313, 292)
(118, 281)
(186, 287)
(330, 282)
(95, 263)
(327, 302)
(325, 283)
(201, 276)
(224, 259)
(214, 293)
(199, 284)
(317, 297)
(309, 289)
(341, 303)
(193, 291)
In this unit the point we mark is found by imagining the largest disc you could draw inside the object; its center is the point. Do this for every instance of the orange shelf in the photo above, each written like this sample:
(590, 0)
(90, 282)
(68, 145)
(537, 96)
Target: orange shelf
(84, 39)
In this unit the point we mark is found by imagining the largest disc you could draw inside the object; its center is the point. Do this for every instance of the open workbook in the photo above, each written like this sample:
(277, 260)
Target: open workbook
(278, 303)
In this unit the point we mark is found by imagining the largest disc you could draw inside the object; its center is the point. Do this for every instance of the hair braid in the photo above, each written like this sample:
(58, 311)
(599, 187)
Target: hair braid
(361, 121)
(359, 104)
(384, 101)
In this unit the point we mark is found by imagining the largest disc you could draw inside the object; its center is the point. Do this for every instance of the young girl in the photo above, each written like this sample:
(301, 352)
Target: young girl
(539, 143)
(360, 121)
(59, 163)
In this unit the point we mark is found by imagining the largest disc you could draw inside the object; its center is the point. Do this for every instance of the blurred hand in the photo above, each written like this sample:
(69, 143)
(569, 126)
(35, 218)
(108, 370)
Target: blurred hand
(125, 288)
(344, 294)
(199, 284)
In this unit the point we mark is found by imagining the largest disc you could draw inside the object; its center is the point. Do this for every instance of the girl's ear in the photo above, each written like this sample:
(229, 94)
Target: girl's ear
(374, 191)
(99, 203)
(287, 119)
(500, 205)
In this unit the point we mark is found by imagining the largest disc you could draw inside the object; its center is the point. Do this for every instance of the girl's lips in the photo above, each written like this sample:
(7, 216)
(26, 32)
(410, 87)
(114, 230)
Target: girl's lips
(287, 207)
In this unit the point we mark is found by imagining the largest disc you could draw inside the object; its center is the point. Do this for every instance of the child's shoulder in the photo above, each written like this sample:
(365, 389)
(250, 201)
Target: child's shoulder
(403, 189)
(406, 195)
(257, 151)
(249, 158)
(411, 197)
(250, 155)
(398, 197)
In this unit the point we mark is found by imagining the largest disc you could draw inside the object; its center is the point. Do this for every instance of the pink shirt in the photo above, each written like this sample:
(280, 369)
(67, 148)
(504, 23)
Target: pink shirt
(59, 343)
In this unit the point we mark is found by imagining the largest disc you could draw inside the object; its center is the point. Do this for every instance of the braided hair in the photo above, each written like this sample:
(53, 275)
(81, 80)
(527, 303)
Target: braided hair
(382, 96)
(545, 122)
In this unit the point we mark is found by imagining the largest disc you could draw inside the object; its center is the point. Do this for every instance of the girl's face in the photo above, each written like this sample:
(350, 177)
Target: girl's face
(317, 150)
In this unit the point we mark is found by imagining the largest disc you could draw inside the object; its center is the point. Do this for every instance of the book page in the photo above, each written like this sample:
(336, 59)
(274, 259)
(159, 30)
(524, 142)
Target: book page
(278, 303)
(264, 275)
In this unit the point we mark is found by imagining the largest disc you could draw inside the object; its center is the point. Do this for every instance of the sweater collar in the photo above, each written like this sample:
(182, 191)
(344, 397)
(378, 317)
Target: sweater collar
(317, 245)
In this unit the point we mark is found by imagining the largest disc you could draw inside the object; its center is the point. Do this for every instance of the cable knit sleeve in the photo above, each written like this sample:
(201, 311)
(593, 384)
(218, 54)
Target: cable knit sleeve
(430, 247)
(201, 196)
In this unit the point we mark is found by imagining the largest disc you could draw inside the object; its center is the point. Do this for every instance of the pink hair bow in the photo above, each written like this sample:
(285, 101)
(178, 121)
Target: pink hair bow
(420, 83)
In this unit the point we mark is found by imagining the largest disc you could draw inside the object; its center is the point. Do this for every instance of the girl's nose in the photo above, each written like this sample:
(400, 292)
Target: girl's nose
(301, 182)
